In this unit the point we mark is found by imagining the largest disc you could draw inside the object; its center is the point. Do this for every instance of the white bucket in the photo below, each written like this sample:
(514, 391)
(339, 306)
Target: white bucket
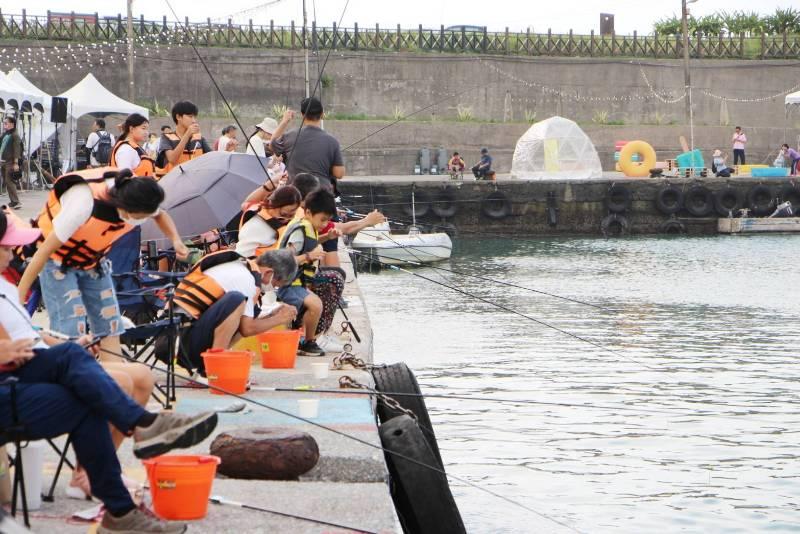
(308, 408)
(320, 370)
(33, 468)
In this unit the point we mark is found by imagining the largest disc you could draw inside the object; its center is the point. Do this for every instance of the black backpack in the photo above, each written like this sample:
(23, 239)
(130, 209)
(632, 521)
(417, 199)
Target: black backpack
(102, 150)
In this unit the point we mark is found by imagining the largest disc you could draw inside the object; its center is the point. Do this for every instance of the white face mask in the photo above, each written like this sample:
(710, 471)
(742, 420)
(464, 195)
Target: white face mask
(266, 287)
(133, 222)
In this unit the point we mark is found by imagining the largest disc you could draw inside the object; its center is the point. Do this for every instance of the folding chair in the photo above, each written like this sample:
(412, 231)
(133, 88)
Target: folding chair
(15, 433)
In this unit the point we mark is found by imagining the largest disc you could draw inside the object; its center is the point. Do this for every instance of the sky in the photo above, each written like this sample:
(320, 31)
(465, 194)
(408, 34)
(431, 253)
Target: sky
(518, 15)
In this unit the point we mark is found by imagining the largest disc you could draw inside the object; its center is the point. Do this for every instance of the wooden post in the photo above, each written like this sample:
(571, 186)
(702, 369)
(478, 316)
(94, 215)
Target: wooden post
(505, 42)
(141, 25)
(571, 44)
(251, 36)
(484, 42)
(613, 43)
(463, 40)
(335, 32)
(230, 32)
(50, 26)
(528, 41)
(355, 35)
(591, 43)
(549, 41)
(741, 45)
(635, 42)
(420, 41)
(655, 45)
(24, 23)
(292, 29)
(441, 38)
(271, 32)
(377, 40)
(314, 41)
(763, 46)
(399, 38)
(785, 44)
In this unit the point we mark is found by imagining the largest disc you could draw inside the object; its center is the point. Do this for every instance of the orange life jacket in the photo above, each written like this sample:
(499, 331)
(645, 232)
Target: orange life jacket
(279, 225)
(186, 155)
(87, 246)
(197, 291)
(146, 167)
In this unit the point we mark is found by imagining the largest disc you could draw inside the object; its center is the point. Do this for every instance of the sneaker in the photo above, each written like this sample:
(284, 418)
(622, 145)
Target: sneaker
(330, 344)
(15, 205)
(310, 348)
(138, 521)
(172, 430)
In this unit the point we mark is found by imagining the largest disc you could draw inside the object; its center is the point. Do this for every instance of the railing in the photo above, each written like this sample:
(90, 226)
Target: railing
(93, 28)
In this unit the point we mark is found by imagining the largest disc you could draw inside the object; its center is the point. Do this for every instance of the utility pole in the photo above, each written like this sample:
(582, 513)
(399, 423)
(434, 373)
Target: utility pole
(131, 85)
(305, 47)
(687, 78)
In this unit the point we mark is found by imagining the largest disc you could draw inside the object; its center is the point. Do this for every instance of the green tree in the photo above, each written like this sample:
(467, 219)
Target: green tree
(668, 26)
(783, 20)
(708, 25)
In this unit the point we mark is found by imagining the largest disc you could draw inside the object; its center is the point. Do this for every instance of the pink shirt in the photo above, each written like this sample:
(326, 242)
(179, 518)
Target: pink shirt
(739, 140)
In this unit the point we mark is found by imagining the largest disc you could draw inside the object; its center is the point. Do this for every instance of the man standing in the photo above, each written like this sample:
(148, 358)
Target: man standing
(228, 141)
(739, 140)
(484, 166)
(99, 144)
(10, 154)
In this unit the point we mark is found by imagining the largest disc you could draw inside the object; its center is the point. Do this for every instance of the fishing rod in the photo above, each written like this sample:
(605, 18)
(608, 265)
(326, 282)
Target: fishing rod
(344, 435)
(505, 308)
(217, 499)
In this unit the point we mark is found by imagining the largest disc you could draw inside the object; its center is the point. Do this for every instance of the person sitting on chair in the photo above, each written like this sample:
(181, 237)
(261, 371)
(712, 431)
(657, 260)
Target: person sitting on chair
(484, 166)
(456, 165)
(220, 294)
(718, 167)
(62, 389)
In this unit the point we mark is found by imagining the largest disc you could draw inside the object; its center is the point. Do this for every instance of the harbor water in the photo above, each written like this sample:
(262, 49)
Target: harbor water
(689, 423)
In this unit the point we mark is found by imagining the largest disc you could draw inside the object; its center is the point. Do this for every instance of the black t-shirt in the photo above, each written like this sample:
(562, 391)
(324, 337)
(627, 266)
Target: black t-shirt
(315, 153)
(165, 143)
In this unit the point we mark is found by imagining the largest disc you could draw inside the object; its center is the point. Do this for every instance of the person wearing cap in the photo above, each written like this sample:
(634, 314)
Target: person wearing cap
(61, 388)
(483, 168)
(719, 167)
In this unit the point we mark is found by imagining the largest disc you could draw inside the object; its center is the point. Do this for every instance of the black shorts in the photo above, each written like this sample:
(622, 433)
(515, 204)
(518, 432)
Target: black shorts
(200, 335)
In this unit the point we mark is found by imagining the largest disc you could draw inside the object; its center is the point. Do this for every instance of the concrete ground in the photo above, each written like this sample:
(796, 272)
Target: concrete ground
(348, 486)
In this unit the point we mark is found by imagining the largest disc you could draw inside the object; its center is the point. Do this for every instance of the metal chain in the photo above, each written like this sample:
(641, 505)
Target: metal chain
(349, 382)
(348, 358)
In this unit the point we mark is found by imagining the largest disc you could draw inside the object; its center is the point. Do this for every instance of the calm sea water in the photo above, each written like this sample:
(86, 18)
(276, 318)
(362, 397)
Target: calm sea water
(700, 326)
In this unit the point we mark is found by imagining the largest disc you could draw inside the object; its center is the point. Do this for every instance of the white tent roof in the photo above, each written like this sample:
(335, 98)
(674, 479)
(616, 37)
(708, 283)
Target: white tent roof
(16, 77)
(792, 99)
(9, 90)
(555, 148)
(89, 96)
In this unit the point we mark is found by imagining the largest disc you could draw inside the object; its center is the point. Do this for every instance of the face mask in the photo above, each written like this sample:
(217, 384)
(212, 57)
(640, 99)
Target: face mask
(266, 287)
(133, 222)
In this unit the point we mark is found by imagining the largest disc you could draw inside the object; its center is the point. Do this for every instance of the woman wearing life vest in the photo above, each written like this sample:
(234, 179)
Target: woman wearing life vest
(84, 215)
(128, 153)
(262, 224)
(186, 143)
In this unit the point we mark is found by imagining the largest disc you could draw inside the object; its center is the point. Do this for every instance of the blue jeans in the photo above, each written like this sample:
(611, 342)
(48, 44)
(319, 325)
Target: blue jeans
(64, 390)
(75, 296)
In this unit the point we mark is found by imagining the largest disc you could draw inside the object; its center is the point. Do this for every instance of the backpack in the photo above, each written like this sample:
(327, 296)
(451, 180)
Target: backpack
(102, 149)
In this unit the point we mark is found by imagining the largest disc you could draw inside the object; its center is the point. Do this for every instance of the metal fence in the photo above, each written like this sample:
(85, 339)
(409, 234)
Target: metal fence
(93, 28)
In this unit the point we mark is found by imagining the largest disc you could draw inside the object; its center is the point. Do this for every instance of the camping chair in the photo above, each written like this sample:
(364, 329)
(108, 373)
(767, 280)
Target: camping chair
(15, 433)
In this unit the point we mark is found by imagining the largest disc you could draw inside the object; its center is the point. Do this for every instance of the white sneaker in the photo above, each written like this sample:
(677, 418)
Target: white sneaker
(330, 344)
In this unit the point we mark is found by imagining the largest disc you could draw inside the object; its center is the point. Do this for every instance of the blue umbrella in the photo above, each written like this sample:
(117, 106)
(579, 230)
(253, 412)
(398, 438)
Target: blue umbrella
(207, 192)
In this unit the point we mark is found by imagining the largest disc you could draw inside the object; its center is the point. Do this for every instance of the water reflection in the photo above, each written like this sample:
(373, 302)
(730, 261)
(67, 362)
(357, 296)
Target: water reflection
(699, 326)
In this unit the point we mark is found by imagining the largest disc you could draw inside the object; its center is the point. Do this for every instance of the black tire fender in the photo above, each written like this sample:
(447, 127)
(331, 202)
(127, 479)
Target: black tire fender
(727, 201)
(615, 225)
(699, 201)
(445, 204)
(496, 205)
(398, 378)
(760, 200)
(422, 204)
(421, 495)
(672, 227)
(618, 199)
(669, 199)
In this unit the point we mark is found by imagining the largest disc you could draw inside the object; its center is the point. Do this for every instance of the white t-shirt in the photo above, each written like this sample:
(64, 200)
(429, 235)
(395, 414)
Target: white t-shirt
(13, 316)
(222, 144)
(255, 146)
(255, 233)
(234, 276)
(127, 157)
(91, 141)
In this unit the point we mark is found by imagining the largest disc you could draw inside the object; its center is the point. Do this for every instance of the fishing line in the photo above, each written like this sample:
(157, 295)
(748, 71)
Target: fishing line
(346, 435)
(510, 310)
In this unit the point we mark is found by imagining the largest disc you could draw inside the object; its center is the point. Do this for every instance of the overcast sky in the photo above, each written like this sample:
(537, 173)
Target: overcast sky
(563, 15)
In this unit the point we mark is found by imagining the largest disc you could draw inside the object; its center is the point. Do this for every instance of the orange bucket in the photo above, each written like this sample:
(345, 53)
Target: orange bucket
(227, 369)
(181, 485)
(279, 348)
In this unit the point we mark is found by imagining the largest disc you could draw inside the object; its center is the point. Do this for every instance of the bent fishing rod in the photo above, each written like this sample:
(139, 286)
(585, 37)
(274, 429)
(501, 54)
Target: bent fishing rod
(344, 435)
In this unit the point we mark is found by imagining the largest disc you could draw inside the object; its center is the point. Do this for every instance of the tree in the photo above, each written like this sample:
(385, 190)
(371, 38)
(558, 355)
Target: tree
(783, 20)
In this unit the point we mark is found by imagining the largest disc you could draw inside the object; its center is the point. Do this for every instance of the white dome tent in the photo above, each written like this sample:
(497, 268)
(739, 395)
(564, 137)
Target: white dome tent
(555, 148)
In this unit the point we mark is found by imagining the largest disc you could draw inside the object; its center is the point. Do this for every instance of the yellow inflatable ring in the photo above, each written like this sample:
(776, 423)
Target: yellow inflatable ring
(641, 168)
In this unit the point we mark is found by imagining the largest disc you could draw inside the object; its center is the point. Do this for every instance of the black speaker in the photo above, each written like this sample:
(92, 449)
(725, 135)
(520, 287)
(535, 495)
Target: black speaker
(58, 109)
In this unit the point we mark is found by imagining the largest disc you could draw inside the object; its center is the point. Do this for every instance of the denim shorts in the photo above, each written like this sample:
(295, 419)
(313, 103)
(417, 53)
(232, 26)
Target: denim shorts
(293, 296)
(78, 298)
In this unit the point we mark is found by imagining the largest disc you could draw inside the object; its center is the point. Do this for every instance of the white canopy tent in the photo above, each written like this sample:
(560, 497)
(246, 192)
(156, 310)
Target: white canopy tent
(792, 99)
(38, 125)
(555, 148)
(87, 97)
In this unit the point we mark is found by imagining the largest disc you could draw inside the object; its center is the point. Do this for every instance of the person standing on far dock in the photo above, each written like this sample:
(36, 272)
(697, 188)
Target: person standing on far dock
(739, 140)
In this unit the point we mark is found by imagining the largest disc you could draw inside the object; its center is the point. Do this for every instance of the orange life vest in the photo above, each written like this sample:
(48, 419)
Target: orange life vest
(87, 246)
(197, 291)
(187, 154)
(146, 167)
(279, 225)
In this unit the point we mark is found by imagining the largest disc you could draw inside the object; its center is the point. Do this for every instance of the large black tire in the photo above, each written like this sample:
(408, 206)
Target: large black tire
(699, 201)
(791, 193)
(618, 199)
(445, 204)
(760, 200)
(421, 495)
(614, 225)
(421, 204)
(669, 200)
(672, 227)
(398, 378)
(496, 206)
(727, 201)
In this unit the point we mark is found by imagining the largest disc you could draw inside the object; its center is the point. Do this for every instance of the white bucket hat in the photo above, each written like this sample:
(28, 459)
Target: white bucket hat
(268, 125)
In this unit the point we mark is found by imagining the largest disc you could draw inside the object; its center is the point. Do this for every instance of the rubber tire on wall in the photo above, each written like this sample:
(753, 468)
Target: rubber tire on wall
(669, 200)
(421, 202)
(699, 201)
(398, 378)
(422, 496)
(672, 227)
(496, 205)
(618, 199)
(727, 200)
(791, 193)
(614, 225)
(754, 197)
(445, 204)
(637, 169)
